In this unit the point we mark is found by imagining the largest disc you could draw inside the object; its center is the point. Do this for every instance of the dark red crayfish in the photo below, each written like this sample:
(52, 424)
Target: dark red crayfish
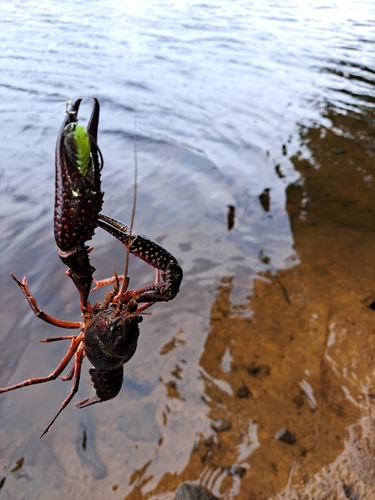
(109, 330)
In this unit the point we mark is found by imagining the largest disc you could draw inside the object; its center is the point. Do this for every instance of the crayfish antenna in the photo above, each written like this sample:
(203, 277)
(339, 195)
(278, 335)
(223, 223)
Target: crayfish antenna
(125, 283)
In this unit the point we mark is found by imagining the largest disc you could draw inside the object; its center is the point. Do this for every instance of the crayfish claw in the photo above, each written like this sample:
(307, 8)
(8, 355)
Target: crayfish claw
(78, 198)
(153, 254)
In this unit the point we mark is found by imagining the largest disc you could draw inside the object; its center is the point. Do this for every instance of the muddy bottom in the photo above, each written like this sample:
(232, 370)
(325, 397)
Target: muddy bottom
(289, 374)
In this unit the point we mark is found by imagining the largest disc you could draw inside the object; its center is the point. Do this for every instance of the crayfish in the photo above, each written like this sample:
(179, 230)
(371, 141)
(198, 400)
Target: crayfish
(109, 330)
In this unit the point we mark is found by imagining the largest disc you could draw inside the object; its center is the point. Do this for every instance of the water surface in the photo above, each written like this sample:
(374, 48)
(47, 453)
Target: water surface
(230, 99)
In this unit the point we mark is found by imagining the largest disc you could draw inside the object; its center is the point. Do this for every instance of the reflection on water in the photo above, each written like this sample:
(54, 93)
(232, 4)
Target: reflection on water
(305, 364)
(239, 109)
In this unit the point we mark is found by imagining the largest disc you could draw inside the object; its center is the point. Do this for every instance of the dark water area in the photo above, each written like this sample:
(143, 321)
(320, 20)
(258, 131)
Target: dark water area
(255, 142)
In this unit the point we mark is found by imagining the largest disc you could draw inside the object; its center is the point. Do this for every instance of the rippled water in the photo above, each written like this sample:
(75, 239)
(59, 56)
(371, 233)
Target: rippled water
(220, 91)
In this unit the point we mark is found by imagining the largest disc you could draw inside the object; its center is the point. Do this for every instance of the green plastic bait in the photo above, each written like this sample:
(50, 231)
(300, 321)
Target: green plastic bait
(77, 144)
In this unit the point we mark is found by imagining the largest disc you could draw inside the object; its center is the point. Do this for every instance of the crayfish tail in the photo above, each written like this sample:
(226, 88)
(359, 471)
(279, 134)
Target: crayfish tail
(88, 401)
(107, 385)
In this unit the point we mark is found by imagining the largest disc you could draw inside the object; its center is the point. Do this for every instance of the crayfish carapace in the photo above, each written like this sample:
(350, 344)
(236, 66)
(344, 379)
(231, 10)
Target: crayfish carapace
(109, 330)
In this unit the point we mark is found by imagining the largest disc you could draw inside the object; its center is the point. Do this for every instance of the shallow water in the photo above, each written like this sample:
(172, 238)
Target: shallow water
(230, 100)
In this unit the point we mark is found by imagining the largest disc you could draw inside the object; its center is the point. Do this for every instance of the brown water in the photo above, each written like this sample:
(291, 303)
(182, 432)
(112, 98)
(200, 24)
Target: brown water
(273, 327)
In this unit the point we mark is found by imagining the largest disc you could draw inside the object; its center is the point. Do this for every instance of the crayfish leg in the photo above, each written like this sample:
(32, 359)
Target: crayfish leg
(56, 372)
(108, 281)
(76, 346)
(54, 339)
(77, 374)
(65, 378)
(41, 314)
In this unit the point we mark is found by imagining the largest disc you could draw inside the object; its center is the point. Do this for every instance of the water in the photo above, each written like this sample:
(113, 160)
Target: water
(218, 89)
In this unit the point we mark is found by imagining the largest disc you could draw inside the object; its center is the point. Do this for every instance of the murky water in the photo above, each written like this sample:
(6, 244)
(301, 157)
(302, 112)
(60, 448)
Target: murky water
(266, 107)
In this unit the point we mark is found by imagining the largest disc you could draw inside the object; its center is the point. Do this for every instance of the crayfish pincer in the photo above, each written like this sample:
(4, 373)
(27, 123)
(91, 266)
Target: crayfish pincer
(109, 331)
(78, 198)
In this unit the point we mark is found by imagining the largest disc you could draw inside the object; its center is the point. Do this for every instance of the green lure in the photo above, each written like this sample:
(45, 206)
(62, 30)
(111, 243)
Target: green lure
(77, 144)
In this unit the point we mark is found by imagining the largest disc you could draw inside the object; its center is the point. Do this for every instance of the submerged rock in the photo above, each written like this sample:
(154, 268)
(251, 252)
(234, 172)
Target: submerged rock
(221, 425)
(188, 491)
(285, 436)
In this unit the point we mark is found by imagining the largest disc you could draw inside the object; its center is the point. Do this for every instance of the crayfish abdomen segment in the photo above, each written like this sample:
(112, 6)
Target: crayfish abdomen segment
(107, 384)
